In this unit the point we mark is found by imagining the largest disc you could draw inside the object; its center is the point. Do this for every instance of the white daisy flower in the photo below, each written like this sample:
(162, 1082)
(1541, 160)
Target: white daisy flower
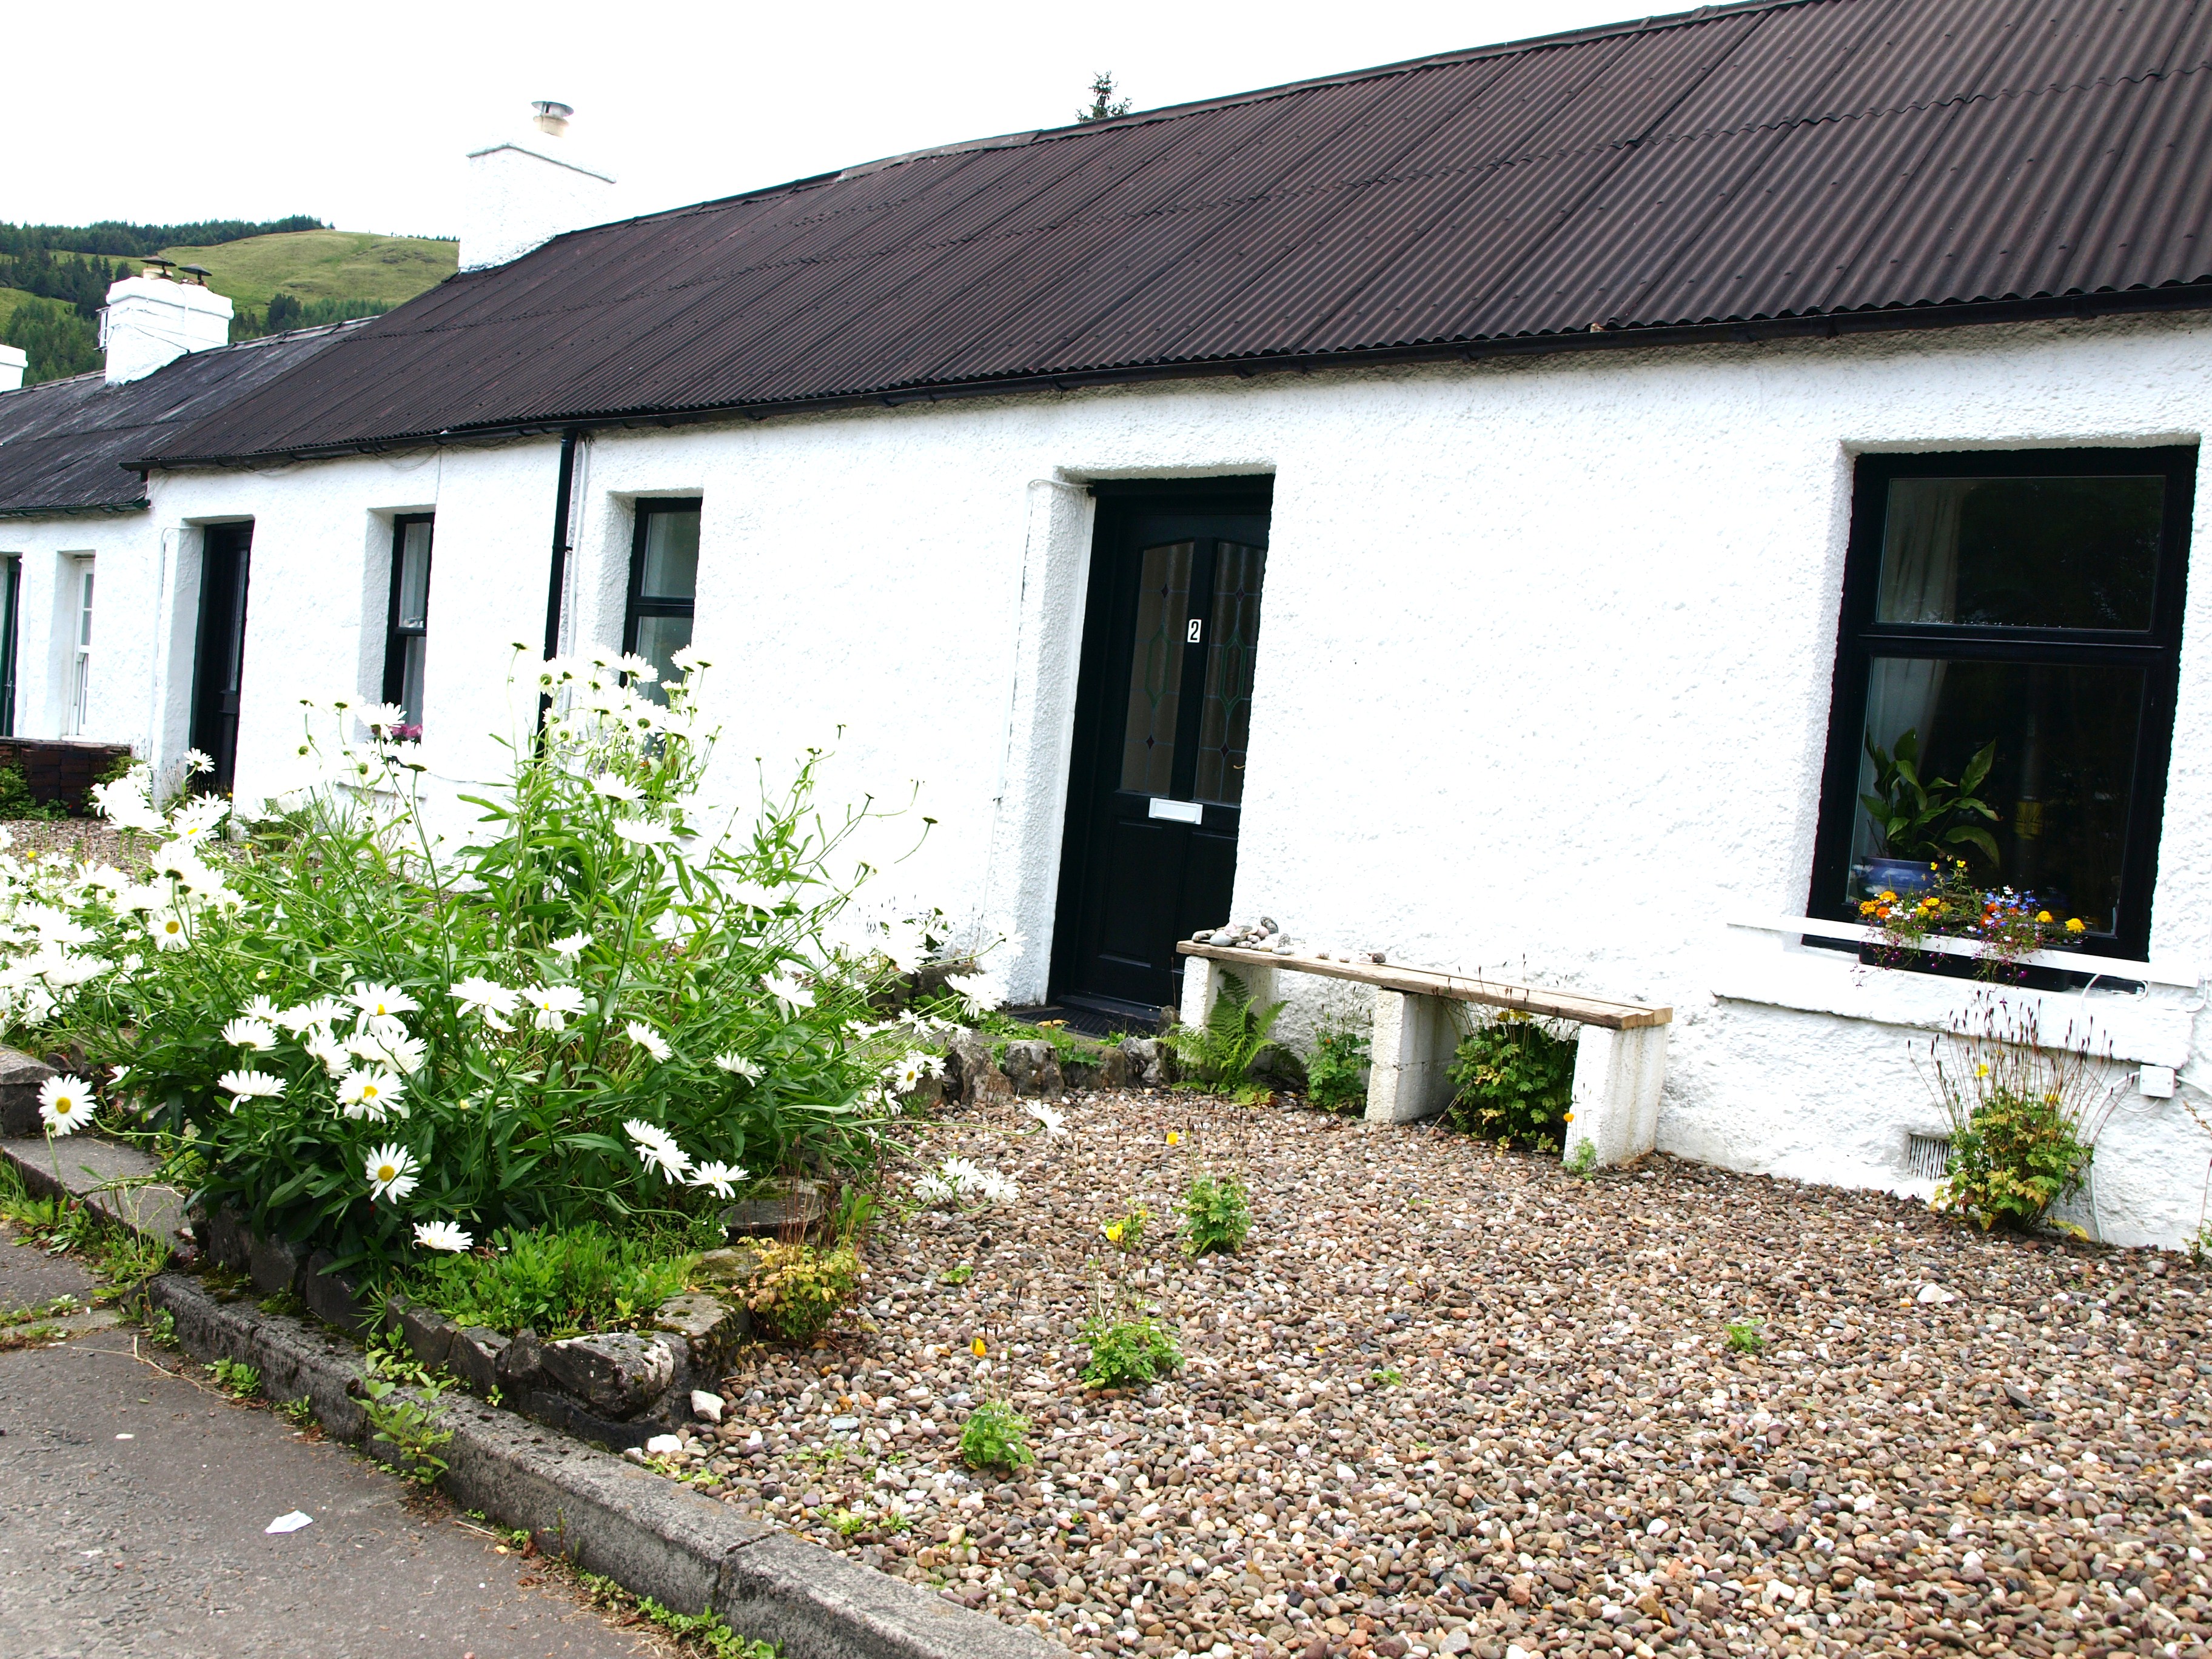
(197, 760)
(789, 991)
(245, 1033)
(1050, 1119)
(720, 1176)
(261, 1008)
(170, 930)
(369, 1094)
(648, 1039)
(554, 1005)
(382, 1001)
(117, 1073)
(608, 787)
(687, 658)
(997, 1190)
(66, 1104)
(382, 717)
(643, 832)
(570, 946)
(637, 667)
(250, 1084)
(657, 1149)
(322, 1012)
(933, 1188)
(334, 1057)
(442, 1236)
(484, 995)
(390, 1171)
(906, 1076)
(738, 1065)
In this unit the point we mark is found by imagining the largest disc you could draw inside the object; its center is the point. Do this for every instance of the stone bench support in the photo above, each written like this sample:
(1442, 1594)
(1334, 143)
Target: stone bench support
(1621, 1055)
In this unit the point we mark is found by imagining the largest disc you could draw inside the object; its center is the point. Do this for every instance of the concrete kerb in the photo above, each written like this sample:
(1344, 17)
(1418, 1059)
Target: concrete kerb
(647, 1533)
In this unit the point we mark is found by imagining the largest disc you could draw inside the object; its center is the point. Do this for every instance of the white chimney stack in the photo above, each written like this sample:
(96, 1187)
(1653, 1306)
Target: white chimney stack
(14, 360)
(526, 190)
(151, 320)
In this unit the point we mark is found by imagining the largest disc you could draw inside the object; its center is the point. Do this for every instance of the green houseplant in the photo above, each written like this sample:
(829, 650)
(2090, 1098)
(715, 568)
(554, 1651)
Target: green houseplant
(1926, 821)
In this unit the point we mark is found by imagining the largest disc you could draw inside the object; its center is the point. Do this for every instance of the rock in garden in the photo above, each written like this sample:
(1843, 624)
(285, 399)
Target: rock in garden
(429, 1335)
(522, 1361)
(617, 1373)
(1033, 1068)
(473, 1356)
(274, 1266)
(20, 1077)
(710, 1328)
(1933, 1293)
(1114, 1067)
(981, 1081)
(663, 1445)
(705, 1405)
(787, 1205)
(1151, 1062)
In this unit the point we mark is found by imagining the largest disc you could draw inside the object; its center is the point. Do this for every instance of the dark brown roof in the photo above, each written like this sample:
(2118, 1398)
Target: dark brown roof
(64, 444)
(1846, 161)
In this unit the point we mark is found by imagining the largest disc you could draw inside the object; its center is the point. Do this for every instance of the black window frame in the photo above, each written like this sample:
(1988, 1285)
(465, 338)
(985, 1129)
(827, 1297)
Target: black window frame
(2156, 650)
(638, 606)
(395, 660)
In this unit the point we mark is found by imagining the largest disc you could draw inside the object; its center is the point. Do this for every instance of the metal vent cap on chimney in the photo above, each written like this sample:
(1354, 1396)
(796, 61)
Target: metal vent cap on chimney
(552, 116)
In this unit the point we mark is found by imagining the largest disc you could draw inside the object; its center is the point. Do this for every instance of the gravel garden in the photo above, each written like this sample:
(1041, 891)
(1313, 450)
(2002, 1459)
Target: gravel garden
(1445, 1399)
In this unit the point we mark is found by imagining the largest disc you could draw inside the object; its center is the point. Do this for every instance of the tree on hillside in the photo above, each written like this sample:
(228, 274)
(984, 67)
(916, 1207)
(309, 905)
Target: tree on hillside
(113, 238)
(57, 341)
(1104, 106)
(284, 312)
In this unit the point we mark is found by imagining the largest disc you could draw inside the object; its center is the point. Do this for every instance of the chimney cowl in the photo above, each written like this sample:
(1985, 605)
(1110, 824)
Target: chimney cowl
(525, 190)
(551, 117)
(151, 320)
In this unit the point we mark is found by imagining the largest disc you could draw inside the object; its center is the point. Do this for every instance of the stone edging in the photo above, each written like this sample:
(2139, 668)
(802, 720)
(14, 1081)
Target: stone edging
(648, 1534)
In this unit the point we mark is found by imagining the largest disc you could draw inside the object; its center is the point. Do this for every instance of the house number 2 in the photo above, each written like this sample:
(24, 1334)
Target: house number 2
(1192, 631)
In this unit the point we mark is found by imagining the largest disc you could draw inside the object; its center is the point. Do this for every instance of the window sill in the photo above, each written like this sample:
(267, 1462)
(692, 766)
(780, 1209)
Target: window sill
(2150, 1022)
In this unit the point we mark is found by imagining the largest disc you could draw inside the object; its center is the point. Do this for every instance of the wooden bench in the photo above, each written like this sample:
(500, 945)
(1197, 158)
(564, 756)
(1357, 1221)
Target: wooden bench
(1620, 1059)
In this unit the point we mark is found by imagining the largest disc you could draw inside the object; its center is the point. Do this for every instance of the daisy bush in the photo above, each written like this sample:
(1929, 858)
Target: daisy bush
(612, 997)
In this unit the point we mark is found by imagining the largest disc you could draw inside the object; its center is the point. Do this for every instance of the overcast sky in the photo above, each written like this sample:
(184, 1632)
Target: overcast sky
(359, 115)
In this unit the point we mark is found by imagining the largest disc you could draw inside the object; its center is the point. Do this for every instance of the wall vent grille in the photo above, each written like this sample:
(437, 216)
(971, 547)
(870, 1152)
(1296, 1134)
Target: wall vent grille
(1928, 1156)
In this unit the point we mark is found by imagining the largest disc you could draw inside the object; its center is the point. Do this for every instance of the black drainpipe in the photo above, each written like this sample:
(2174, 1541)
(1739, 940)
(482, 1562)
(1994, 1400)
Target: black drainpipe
(560, 576)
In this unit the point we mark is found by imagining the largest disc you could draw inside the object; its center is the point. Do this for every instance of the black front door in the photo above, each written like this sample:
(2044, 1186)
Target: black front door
(220, 657)
(1164, 711)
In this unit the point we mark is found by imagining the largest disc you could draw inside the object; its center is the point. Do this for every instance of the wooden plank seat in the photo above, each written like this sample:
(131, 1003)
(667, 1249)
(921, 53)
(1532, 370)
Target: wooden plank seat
(1621, 1056)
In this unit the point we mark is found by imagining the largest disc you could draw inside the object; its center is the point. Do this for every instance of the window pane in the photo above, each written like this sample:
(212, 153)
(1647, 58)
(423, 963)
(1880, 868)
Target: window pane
(411, 650)
(84, 610)
(1148, 736)
(2061, 783)
(415, 576)
(672, 555)
(2021, 552)
(658, 639)
(1232, 640)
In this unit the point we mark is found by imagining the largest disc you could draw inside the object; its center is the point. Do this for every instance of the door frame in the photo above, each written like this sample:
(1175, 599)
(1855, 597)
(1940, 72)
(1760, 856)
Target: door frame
(224, 776)
(1099, 697)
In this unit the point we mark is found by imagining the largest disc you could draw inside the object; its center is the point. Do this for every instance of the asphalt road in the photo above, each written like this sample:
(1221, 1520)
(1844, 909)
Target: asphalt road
(133, 1504)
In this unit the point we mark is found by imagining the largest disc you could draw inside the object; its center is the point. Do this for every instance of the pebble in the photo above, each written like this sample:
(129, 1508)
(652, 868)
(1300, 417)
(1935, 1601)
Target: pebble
(1448, 1400)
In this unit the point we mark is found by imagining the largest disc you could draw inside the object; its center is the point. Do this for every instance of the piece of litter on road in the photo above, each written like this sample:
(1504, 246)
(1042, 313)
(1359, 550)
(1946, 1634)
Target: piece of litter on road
(126, 1436)
(291, 1522)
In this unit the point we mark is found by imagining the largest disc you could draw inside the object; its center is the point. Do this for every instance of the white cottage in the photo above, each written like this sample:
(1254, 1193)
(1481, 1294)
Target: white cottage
(1481, 507)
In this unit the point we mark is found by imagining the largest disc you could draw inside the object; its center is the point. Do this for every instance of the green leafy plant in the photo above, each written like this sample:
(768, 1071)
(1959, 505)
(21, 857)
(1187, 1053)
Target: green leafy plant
(19, 805)
(1336, 1073)
(298, 1412)
(1223, 1049)
(703, 1633)
(1126, 1231)
(1582, 1161)
(996, 1436)
(1515, 1082)
(2025, 1115)
(799, 1288)
(559, 1281)
(1128, 1352)
(1744, 1337)
(161, 1327)
(409, 1427)
(1215, 1215)
(1386, 1377)
(614, 995)
(236, 1378)
(959, 1273)
(1928, 819)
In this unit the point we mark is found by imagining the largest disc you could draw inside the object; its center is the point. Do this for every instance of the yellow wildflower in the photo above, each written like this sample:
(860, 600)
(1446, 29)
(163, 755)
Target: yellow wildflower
(1113, 1231)
(2075, 925)
(980, 1347)
(2042, 915)
(1174, 1139)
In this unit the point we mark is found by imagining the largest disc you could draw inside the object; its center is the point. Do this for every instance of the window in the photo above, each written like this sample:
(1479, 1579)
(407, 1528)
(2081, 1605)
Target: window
(2027, 604)
(11, 592)
(80, 664)
(664, 585)
(409, 618)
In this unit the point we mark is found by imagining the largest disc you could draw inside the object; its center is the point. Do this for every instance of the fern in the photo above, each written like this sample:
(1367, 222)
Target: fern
(1223, 1049)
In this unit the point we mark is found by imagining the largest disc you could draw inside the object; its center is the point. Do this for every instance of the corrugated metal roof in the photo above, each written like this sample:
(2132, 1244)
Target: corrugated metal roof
(65, 444)
(1910, 160)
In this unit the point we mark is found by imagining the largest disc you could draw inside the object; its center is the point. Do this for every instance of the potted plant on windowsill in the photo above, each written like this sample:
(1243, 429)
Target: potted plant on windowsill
(1924, 823)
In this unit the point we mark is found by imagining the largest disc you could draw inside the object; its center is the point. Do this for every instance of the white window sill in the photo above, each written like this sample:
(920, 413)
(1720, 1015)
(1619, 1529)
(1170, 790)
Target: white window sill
(1765, 961)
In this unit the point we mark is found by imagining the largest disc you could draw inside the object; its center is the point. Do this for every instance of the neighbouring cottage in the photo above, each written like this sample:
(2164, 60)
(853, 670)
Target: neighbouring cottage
(1481, 507)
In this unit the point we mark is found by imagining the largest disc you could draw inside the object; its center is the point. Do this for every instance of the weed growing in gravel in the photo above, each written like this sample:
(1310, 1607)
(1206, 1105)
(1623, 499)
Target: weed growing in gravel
(695, 1632)
(161, 1326)
(1582, 1161)
(1334, 1081)
(60, 1308)
(1223, 1049)
(2025, 1115)
(1126, 1231)
(799, 1288)
(298, 1412)
(996, 1436)
(1128, 1352)
(957, 1275)
(236, 1378)
(1745, 1337)
(1386, 1377)
(409, 1427)
(1515, 1083)
(1215, 1215)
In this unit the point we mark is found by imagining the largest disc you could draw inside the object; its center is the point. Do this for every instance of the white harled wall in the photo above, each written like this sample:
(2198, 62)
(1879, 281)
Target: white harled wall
(1542, 687)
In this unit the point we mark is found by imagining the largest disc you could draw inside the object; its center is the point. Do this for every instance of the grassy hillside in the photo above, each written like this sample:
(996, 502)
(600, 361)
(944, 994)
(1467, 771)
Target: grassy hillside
(9, 298)
(322, 265)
